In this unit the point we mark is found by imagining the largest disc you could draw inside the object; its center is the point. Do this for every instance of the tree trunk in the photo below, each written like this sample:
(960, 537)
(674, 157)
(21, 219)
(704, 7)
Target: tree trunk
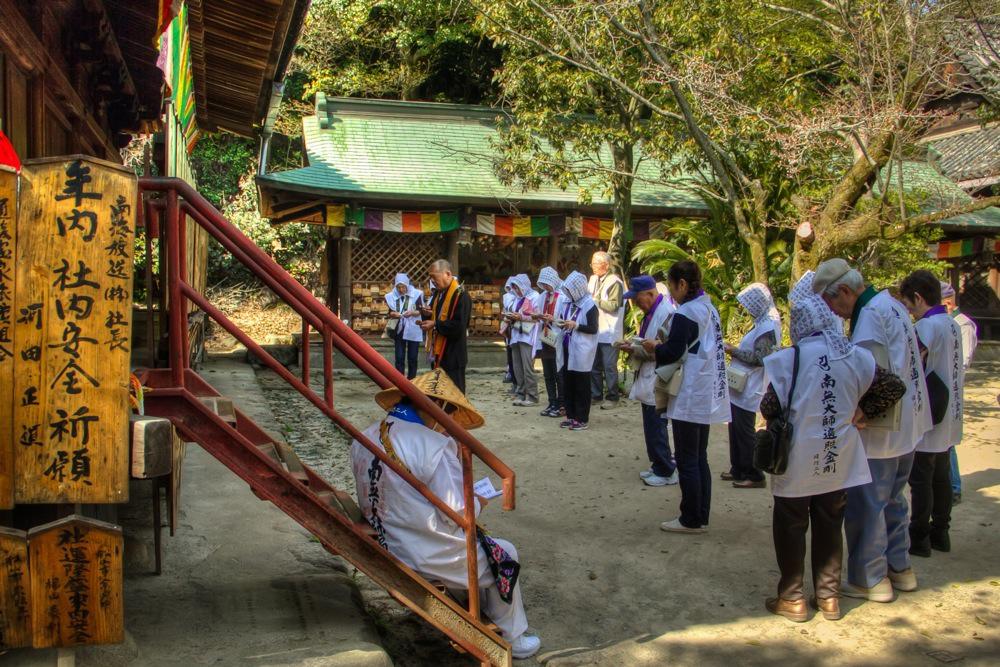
(621, 182)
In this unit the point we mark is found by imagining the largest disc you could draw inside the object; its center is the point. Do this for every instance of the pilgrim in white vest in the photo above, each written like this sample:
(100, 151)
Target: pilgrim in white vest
(523, 330)
(411, 527)
(404, 303)
(657, 311)
(970, 339)
(747, 381)
(940, 340)
(695, 345)
(877, 519)
(576, 348)
(547, 304)
(607, 290)
(817, 387)
(507, 301)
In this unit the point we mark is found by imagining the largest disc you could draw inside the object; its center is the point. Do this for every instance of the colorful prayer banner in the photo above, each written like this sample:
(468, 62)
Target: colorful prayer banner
(958, 248)
(175, 61)
(411, 222)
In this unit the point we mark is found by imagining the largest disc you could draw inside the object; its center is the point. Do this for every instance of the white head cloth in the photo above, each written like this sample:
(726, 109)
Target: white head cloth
(401, 279)
(810, 314)
(523, 283)
(507, 285)
(757, 299)
(548, 276)
(575, 287)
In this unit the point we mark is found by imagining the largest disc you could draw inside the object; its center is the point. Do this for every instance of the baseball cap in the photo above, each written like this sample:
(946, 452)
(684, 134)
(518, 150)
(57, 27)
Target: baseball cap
(639, 284)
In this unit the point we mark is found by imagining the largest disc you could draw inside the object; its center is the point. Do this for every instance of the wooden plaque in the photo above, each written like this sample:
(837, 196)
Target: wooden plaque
(8, 245)
(73, 309)
(15, 590)
(76, 583)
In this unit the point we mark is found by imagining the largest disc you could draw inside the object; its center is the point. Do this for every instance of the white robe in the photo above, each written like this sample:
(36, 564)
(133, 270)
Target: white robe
(704, 394)
(826, 454)
(540, 308)
(970, 338)
(416, 532)
(399, 303)
(610, 326)
(645, 376)
(749, 398)
(517, 330)
(884, 328)
(582, 346)
(942, 337)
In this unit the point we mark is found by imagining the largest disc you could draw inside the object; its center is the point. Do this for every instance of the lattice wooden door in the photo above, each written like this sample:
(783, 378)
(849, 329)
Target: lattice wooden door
(381, 255)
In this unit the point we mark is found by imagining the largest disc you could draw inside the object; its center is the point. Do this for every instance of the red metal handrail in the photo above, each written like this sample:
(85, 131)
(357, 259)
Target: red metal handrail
(335, 334)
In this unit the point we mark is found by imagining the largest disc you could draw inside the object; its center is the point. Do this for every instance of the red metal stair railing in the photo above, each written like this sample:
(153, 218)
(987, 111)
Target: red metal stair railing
(177, 389)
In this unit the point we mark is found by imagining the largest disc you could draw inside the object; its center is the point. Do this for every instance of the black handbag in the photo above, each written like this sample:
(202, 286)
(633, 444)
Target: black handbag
(774, 443)
(938, 396)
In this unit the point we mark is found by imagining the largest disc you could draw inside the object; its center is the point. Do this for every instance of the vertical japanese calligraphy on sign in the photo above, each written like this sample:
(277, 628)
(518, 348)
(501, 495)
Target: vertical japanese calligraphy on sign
(76, 583)
(8, 246)
(15, 590)
(72, 325)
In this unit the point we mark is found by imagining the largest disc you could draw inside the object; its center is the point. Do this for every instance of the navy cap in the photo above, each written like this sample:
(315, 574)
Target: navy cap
(639, 284)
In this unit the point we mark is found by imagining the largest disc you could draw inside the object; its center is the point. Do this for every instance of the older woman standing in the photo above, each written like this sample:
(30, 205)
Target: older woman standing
(404, 303)
(523, 330)
(823, 382)
(748, 358)
(546, 305)
(577, 348)
(696, 339)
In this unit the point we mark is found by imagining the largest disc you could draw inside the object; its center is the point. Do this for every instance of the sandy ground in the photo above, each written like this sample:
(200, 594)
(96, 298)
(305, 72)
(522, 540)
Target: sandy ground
(604, 586)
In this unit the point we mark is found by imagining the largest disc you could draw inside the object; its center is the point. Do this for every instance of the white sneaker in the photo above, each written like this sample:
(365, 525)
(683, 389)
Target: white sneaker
(905, 581)
(646, 473)
(880, 592)
(655, 480)
(525, 646)
(676, 526)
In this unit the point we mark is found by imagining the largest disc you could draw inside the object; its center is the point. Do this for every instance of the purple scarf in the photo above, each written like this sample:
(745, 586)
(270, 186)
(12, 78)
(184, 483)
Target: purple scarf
(649, 316)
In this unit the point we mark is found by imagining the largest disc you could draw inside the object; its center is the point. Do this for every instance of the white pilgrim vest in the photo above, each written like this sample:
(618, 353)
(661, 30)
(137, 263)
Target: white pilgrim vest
(970, 338)
(582, 347)
(645, 377)
(516, 335)
(884, 328)
(609, 325)
(826, 453)
(704, 394)
(540, 308)
(942, 337)
(404, 521)
(749, 398)
(411, 328)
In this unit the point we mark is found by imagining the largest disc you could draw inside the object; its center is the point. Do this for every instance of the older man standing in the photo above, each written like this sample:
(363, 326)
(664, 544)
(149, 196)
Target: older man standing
(446, 322)
(607, 291)
(657, 311)
(876, 521)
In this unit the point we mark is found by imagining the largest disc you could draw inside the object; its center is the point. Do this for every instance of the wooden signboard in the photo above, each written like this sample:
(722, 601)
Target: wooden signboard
(73, 306)
(15, 590)
(76, 583)
(8, 245)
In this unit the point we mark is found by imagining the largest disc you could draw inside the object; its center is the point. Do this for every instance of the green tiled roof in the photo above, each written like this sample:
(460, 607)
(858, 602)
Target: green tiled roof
(417, 153)
(935, 192)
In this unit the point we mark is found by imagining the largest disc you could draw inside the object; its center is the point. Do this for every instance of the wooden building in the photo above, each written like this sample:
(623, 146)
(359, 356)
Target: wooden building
(399, 184)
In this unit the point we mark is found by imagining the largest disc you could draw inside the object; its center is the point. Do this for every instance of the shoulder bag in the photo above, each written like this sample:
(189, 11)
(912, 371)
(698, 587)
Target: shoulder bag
(774, 443)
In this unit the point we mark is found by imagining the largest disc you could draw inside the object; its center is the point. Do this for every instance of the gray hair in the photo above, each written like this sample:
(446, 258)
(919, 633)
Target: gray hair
(601, 256)
(441, 265)
(852, 280)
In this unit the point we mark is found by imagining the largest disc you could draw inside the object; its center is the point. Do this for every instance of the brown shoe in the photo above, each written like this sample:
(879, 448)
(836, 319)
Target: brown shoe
(793, 610)
(830, 607)
(750, 484)
(726, 477)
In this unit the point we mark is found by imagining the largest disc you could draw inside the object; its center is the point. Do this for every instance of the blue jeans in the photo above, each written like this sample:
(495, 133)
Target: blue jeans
(654, 428)
(956, 477)
(407, 351)
(604, 376)
(877, 522)
(691, 450)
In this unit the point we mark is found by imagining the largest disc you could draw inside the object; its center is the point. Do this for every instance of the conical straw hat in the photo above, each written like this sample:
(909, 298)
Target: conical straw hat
(436, 384)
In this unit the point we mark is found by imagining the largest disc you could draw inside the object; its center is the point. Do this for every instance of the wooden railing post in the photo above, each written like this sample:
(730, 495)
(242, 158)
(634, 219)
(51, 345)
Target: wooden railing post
(176, 304)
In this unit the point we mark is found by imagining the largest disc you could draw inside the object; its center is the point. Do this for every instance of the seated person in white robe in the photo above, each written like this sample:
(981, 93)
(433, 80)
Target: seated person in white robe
(408, 524)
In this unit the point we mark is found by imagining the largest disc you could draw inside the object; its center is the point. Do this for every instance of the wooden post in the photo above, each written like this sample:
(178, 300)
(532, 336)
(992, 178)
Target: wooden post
(344, 273)
(453, 252)
(73, 297)
(330, 250)
(15, 590)
(8, 246)
(554, 252)
(76, 583)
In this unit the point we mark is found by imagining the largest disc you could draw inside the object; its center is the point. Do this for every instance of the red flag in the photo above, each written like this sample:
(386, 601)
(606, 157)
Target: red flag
(8, 156)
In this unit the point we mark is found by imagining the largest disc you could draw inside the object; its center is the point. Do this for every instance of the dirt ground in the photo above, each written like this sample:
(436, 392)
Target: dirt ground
(603, 585)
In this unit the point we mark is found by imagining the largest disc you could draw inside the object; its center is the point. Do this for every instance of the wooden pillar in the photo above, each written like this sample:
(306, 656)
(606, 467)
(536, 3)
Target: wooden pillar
(332, 295)
(554, 252)
(955, 278)
(453, 251)
(344, 273)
